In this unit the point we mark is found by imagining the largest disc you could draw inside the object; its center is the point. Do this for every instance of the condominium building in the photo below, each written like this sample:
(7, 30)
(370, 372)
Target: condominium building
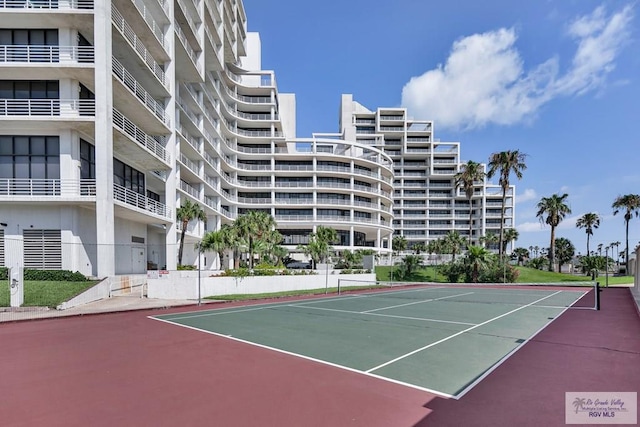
(427, 204)
(115, 112)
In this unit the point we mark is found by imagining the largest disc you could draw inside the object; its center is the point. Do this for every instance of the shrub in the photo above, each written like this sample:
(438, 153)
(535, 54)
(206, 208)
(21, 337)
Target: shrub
(498, 272)
(182, 267)
(54, 275)
(453, 271)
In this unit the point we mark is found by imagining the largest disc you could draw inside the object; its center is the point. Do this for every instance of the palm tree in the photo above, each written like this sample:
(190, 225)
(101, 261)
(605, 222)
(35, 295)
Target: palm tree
(470, 173)
(616, 244)
(555, 209)
(521, 254)
(630, 203)
(477, 257)
(216, 241)
(506, 162)
(536, 249)
(399, 243)
(510, 235)
(253, 226)
(589, 222)
(564, 251)
(185, 213)
(453, 242)
(319, 246)
(410, 263)
(489, 239)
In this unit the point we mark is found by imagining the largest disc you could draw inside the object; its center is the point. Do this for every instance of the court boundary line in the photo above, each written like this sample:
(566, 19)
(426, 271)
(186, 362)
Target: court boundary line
(302, 356)
(411, 353)
(368, 373)
(383, 315)
(488, 372)
(415, 302)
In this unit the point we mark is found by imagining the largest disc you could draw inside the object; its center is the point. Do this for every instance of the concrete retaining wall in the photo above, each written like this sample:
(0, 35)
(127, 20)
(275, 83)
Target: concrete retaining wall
(184, 284)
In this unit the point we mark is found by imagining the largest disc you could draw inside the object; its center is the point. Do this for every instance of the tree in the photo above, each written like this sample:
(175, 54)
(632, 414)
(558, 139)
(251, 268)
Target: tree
(630, 204)
(470, 173)
(409, 264)
(350, 259)
(564, 251)
(589, 222)
(453, 242)
(477, 257)
(319, 247)
(520, 254)
(217, 241)
(398, 244)
(505, 163)
(489, 239)
(186, 213)
(252, 226)
(510, 235)
(551, 211)
(418, 248)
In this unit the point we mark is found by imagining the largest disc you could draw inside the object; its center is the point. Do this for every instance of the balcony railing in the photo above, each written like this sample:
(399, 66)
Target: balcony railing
(47, 54)
(47, 4)
(148, 142)
(140, 201)
(127, 79)
(47, 187)
(185, 43)
(148, 18)
(48, 107)
(130, 35)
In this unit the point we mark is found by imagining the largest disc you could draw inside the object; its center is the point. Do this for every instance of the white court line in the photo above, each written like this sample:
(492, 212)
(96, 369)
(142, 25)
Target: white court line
(512, 352)
(415, 302)
(382, 315)
(262, 306)
(404, 356)
(346, 368)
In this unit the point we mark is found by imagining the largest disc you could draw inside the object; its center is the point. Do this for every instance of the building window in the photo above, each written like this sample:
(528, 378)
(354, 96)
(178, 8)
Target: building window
(29, 45)
(42, 249)
(87, 160)
(128, 177)
(29, 89)
(29, 157)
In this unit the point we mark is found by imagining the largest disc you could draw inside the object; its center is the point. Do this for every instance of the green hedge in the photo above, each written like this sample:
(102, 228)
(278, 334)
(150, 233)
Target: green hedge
(46, 275)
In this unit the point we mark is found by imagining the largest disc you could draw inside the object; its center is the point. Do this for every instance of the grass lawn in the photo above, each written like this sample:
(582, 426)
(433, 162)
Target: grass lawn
(45, 293)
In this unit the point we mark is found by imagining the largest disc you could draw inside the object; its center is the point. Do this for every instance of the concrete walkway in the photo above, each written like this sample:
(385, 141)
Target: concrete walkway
(108, 305)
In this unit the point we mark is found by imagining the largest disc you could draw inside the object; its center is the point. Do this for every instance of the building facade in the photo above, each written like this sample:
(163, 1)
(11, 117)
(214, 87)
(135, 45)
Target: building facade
(115, 112)
(427, 204)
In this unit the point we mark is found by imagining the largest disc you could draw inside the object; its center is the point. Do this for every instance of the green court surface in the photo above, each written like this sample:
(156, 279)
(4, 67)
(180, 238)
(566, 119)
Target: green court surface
(438, 339)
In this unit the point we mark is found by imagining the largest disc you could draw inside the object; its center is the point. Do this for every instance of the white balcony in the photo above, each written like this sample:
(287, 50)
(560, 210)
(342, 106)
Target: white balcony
(147, 150)
(140, 202)
(58, 189)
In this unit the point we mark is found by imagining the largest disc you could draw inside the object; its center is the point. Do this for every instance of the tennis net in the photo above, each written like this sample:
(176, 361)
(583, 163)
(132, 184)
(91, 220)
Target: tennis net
(580, 295)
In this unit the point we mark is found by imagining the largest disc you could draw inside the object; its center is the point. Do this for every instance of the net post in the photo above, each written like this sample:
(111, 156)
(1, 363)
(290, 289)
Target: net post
(339, 289)
(597, 289)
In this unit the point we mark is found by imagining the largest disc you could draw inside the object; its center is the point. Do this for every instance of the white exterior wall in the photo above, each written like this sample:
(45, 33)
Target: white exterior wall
(184, 284)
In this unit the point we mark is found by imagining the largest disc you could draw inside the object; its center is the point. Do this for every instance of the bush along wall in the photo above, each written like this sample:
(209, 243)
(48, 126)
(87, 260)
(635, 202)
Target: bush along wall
(46, 275)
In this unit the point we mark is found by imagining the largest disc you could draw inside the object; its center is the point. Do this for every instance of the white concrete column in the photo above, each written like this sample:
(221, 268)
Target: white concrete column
(171, 195)
(104, 140)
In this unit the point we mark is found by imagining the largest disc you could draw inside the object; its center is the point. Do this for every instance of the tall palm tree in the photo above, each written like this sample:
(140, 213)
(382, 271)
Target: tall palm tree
(630, 204)
(510, 235)
(589, 222)
(253, 226)
(489, 239)
(521, 254)
(187, 212)
(453, 242)
(551, 211)
(319, 247)
(505, 163)
(470, 174)
(399, 243)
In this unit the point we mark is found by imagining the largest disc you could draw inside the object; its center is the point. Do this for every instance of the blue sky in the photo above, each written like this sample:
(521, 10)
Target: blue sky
(556, 79)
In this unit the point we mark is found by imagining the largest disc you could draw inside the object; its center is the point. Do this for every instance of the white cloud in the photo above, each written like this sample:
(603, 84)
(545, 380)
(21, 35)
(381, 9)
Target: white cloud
(484, 80)
(530, 227)
(529, 194)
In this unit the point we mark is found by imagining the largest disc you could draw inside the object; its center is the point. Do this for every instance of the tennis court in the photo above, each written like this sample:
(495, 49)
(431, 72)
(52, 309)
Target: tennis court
(441, 339)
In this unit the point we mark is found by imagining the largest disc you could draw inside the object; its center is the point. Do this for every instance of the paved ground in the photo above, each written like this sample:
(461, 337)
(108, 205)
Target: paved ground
(108, 305)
